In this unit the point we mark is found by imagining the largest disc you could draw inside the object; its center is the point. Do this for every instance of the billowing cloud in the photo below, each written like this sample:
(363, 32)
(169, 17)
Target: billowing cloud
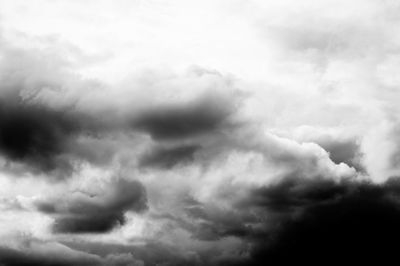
(214, 133)
(85, 213)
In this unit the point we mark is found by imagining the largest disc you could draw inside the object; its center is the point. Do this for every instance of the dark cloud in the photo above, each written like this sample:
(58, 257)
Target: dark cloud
(35, 135)
(202, 116)
(300, 221)
(96, 213)
(311, 222)
(93, 223)
(52, 119)
(257, 215)
(38, 138)
(40, 123)
(329, 223)
(9, 257)
(210, 223)
(292, 193)
(166, 158)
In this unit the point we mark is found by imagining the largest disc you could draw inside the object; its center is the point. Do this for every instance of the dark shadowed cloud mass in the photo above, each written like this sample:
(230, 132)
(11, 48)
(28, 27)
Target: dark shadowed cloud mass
(358, 226)
(192, 119)
(85, 213)
(35, 135)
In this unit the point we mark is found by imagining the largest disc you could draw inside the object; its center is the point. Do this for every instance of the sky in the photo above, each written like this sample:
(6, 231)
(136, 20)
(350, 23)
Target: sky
(215, 132)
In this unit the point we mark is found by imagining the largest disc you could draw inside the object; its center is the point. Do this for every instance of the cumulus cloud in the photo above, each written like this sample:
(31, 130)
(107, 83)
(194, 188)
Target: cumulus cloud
(342, 148)
(275, 141)
(86, 213)
(39, 133)
(51, 124)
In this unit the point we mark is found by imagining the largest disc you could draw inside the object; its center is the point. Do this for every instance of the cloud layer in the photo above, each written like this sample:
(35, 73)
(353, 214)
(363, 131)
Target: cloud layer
(199, 133)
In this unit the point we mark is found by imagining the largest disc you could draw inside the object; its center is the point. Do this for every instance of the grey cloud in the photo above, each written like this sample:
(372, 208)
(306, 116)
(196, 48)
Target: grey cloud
(394, 160)
(42, 133)
(92, 223)
(36, 135)
(202, 116)
(345, 151)
(290, 219)
(10, 257)
(50, 140)
(166, 158)
(34, 252)
(122, 259)
(210, 223)
(152, 253)
(52, 120)
(294, 217)
(96, 213)
(293, 193)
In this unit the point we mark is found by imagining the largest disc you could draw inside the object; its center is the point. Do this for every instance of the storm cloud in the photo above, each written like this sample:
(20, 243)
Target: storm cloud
(358, 226)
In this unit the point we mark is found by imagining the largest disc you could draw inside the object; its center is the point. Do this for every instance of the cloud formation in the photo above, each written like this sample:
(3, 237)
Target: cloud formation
(204, 115)
(356, 223)
(99, 213)
(25, 250)
(214, 133)
(35, 135)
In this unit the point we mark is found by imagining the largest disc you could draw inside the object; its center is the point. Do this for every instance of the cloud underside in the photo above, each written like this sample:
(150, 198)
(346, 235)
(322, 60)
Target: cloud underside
(356, 226)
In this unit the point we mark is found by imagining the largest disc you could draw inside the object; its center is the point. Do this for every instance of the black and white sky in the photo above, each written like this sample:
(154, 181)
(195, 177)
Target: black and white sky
(199, 133)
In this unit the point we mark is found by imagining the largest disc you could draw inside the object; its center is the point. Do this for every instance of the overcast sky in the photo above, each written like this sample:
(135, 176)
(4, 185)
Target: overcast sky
(210, 132)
